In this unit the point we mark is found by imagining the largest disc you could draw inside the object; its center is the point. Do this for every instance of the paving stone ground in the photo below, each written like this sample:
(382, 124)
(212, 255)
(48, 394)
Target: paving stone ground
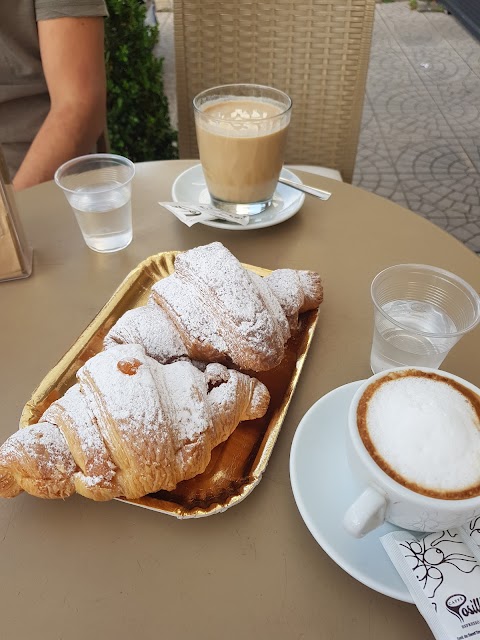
(420, 138)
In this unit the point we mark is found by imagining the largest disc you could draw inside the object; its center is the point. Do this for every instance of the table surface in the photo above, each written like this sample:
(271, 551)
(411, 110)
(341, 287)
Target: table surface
(78, 569)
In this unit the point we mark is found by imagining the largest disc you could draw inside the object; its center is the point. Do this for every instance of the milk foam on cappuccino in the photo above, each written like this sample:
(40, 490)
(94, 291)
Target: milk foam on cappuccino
(424, 431)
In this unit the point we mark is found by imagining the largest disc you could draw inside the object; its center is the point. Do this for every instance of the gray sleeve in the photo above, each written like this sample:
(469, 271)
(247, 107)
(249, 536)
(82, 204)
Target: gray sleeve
(49, 9)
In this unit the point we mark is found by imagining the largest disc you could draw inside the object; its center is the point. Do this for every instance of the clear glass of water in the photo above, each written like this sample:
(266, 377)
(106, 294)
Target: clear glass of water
(99, 190)
(420, 313)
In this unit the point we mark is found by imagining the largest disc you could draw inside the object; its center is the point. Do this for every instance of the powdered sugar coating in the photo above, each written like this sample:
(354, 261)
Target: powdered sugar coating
(44, 442)
(218, 306)
(159, 418)
(213, 309)
(129, 415)
(223, 397)
(129, 402)
(183, 391)
(284, 284)
(312, 287)
(157, 425)
(224, 285)
(150, 327)
(273, 306)
(38, 460)
(185, 307)
(77, 423)
(72, 407)
(297, 291)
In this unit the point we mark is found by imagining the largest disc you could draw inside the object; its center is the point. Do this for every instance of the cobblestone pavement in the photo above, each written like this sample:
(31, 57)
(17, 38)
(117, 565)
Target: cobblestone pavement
(420, 139)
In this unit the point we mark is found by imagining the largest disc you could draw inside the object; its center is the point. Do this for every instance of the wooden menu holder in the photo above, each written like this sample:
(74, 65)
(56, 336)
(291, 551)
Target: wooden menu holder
(15, 254)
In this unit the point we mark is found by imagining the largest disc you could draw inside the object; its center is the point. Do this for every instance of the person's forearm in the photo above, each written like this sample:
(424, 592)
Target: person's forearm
(66, 133)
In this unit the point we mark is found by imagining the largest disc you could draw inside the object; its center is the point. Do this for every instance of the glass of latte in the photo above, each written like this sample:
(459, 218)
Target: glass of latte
(241, 135)
(414, 449)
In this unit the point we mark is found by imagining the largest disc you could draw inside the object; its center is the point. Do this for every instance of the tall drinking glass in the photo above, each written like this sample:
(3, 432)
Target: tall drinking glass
(241, 135)
(420, 313)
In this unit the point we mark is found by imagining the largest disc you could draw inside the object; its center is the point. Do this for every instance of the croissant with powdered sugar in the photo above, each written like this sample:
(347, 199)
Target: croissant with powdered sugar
(212, 309)
(131, 426)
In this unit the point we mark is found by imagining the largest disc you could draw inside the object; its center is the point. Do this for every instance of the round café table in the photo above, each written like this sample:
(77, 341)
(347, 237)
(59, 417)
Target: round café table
(77, 569)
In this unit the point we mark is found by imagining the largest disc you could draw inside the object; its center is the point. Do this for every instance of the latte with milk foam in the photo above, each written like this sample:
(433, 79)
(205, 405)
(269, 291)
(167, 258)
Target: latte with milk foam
(423, 430)
(242, 143)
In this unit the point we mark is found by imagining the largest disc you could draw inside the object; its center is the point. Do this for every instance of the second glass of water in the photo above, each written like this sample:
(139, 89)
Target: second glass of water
(99, 190)
(420, 314)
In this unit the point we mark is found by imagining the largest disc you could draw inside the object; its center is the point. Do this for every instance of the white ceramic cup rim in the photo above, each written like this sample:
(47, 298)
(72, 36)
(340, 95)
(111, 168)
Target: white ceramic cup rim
(95, 156)
(434, 270)
(382, 479)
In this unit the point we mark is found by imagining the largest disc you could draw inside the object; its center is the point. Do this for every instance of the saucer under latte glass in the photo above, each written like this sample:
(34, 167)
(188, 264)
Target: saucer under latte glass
(241, 135)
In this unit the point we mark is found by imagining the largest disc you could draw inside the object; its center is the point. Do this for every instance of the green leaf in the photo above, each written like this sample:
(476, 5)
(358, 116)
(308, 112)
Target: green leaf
(137, 108)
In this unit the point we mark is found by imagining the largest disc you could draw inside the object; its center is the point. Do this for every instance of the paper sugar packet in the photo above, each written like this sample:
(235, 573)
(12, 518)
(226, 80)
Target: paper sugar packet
(190, 214)
(442, 575)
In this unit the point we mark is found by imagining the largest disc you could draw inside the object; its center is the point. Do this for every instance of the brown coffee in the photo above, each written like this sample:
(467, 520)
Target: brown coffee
(241, 143)
(423, 430)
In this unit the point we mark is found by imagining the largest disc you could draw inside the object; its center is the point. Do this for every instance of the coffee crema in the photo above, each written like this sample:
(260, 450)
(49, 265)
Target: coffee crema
(241, 143)
(423, 430)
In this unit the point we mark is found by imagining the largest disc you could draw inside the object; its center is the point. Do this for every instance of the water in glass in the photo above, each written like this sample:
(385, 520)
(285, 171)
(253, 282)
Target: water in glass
(105, 217)
(394, 346)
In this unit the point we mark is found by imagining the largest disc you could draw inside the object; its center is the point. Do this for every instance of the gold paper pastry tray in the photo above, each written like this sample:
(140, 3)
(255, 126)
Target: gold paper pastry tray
(237, 465)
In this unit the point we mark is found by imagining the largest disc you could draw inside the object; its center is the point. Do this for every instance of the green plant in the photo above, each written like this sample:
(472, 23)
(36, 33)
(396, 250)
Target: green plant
(137, 107)
(426, 5)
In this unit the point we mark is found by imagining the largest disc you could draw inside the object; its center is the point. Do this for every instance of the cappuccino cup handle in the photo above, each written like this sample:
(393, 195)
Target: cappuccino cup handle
(366, 513)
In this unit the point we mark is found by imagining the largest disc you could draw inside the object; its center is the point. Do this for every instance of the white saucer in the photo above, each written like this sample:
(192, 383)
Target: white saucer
(190, 186)
(324, 488)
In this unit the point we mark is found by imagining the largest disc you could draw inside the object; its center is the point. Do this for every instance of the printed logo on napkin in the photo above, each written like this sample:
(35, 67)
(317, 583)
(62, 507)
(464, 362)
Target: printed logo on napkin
(190, 214)
(443, 576)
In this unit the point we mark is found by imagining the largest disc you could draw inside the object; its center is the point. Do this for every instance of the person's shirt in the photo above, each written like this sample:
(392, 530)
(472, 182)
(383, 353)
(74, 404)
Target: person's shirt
(24, 99)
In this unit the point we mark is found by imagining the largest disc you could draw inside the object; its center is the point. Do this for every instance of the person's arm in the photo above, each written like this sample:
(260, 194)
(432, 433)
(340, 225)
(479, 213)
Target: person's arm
(72, 53)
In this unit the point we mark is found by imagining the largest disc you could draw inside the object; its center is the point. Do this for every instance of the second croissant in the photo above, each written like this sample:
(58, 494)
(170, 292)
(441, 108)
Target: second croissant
(212, 309)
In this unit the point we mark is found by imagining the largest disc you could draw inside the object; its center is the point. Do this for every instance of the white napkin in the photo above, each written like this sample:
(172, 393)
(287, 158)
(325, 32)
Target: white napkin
(470, 534)
(190, 214)
(442, 573)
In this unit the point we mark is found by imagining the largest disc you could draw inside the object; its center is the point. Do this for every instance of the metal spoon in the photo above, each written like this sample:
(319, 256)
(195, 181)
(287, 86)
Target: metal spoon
(318, 193)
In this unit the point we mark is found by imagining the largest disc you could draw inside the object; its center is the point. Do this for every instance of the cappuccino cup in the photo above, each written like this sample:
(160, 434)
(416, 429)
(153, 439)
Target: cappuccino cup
(241, 134)
(413, 446)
